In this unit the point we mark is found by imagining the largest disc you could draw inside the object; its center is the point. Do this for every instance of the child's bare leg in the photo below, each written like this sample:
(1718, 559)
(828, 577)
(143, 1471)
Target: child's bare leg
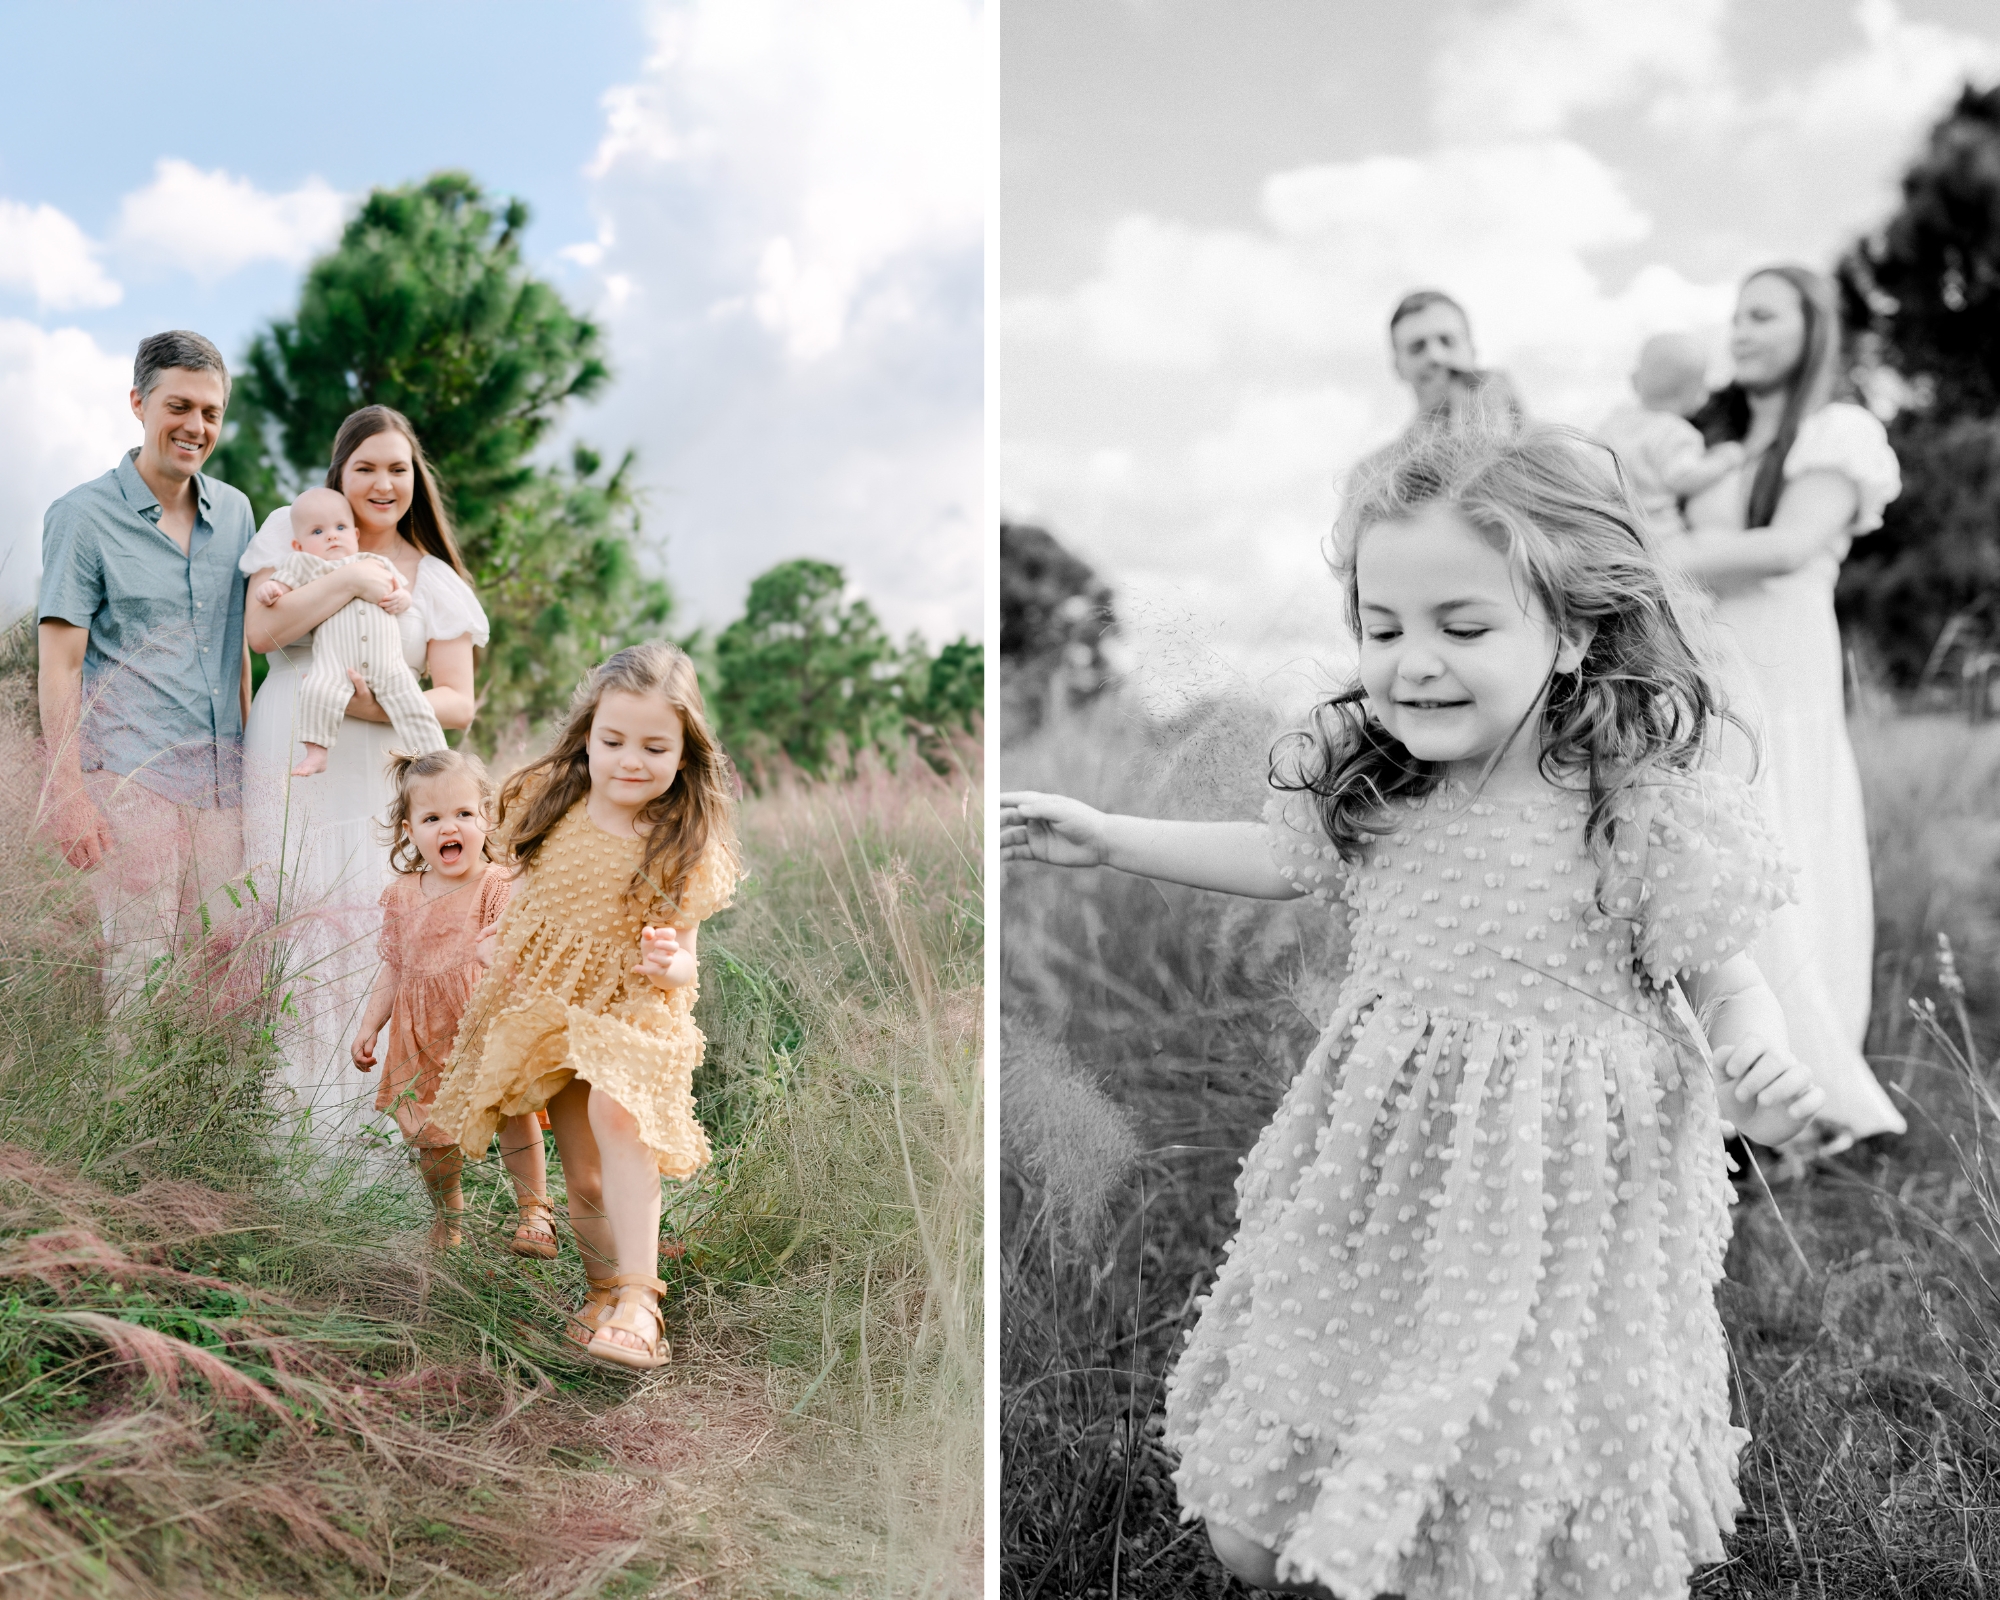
(583, 1179)
(441, 1167)
(631, 1182)
(313, 761)
(1258, 1566)
(521, 1150)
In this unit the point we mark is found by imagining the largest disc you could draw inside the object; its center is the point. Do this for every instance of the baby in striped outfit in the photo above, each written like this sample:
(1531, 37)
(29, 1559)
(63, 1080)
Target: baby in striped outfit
(361, 636)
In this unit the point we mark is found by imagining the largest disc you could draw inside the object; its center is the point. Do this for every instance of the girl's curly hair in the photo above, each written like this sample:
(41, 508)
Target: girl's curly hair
(680, 824)
(1555, 504)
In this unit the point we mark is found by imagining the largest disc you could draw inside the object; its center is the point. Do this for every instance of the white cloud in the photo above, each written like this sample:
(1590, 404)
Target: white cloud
(791, 204)
(863, 119)
(1529, 69)
(63, 400)
(47, 255)
(211, 224)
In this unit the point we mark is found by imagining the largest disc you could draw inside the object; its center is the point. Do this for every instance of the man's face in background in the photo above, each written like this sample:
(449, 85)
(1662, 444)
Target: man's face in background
(1430, 345)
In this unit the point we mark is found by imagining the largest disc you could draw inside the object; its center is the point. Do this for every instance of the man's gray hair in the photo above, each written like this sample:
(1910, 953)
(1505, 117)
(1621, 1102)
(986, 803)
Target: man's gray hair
(179, 348)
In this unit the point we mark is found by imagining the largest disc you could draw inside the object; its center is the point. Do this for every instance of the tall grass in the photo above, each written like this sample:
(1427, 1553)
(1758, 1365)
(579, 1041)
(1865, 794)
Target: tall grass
(227, 1371)
(1862, 1304)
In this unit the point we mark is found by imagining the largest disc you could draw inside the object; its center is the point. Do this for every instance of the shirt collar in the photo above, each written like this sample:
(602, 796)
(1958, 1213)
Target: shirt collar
(142, 499)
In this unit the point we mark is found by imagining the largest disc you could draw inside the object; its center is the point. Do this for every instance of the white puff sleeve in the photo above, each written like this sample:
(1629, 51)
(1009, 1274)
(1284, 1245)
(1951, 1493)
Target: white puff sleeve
(1846, 439)
(270, 545)
(450, 609)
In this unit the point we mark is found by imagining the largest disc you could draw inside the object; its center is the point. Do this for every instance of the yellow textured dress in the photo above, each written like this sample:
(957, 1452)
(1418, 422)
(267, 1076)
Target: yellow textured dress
(561, 1000)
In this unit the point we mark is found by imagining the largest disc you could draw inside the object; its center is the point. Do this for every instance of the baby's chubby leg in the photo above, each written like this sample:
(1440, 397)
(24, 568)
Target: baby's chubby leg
(324, 690)
(396, 690)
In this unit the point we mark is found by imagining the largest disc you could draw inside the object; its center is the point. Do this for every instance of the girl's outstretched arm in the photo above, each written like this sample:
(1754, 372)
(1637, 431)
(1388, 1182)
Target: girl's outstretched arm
(1767, 1094)
(1233, 857)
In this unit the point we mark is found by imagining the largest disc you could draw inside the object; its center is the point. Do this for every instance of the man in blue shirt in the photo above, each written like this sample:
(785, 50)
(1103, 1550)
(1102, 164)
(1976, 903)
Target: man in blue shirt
(144, 679)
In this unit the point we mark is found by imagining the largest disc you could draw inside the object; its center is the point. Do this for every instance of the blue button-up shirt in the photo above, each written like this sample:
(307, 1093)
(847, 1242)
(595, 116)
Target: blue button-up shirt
(163, 670)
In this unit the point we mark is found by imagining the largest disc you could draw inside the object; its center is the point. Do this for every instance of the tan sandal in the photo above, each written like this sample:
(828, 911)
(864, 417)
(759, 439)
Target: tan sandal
(587, 1318)
(632, 1315)
(535, 1235)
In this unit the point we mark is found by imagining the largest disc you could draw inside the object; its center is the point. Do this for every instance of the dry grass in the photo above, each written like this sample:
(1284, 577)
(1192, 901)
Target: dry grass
(227, 1372)
(1865, 1370)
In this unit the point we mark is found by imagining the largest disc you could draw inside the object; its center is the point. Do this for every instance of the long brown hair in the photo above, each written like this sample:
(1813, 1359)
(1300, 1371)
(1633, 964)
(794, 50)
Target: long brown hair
(1810, 386)
(427, 524)
(680, 824)
(405, 773)
(1644, 697)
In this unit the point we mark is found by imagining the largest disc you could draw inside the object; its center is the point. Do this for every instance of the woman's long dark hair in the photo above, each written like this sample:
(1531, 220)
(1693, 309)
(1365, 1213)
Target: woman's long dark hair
(427, 524)
(1643, 699)
(680, 824)
(1809, 386)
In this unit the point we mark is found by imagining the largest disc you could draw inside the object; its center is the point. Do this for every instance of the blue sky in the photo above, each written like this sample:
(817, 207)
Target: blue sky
(1208, 212)
(790, 281)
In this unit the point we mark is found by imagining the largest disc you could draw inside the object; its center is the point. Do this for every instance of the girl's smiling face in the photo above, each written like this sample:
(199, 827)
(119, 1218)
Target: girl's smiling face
(447, 823)
(380, 482)
(1455, 655)
(635, 748)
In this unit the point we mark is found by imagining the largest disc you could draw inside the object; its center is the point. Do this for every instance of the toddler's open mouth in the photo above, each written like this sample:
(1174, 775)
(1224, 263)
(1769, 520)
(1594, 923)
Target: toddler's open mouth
(449, 851)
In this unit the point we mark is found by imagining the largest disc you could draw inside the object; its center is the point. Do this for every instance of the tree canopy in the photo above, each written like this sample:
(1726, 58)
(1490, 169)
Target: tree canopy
(425, 305)
(1921, 299)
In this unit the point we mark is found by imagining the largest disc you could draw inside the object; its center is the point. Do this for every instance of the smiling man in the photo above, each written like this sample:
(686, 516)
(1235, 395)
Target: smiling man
(143, 670)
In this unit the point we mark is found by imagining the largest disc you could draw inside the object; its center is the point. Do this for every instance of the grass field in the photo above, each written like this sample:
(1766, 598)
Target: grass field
(1148, 1032)
(221, 1377)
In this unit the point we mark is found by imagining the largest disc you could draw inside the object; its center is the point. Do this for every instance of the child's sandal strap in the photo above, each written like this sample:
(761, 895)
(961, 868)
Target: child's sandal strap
(656, 1352)
(635, 1280)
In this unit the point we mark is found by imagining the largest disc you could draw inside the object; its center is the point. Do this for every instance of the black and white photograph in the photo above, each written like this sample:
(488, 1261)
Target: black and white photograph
(1499, 906)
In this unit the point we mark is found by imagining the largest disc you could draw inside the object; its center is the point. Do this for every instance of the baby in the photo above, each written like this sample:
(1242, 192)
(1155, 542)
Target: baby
(361, 635)
(1660, 450)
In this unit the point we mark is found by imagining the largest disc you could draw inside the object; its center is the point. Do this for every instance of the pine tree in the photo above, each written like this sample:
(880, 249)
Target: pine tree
(425, 305)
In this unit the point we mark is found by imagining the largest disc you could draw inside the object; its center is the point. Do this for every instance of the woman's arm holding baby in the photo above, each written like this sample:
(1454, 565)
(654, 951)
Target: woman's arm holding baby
(1766, 1093)
(277, 623)
(1232, 857)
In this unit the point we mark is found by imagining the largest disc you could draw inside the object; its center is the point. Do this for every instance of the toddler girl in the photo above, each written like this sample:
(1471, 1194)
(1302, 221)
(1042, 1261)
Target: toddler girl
(438, 919)
(624, 842)
(1464, 1342)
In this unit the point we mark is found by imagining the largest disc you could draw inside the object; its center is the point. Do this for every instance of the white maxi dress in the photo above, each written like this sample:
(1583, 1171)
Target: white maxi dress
(1786, 679)
(317, 851)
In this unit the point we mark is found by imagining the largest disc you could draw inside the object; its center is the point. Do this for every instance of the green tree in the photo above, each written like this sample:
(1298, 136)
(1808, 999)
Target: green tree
(947, 692)
(1921, 297)
(425, 305)
(807, 674)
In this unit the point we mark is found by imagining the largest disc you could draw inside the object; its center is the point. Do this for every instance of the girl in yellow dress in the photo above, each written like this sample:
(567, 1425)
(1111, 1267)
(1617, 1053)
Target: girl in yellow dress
(623, 840)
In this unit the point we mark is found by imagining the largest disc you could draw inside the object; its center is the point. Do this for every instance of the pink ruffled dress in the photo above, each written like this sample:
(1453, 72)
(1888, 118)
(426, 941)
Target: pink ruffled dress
(1464, 1345)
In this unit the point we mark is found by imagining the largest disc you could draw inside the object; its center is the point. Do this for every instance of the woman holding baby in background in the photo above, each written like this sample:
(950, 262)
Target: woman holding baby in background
(322, 828)
(1794, 478)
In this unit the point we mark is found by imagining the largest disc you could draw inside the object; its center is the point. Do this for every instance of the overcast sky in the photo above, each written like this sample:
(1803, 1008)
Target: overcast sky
(774, 207)
(1209, 210)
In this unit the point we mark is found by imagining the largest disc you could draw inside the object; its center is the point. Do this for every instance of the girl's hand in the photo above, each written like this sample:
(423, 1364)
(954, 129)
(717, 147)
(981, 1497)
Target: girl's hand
(659, 948)
(1761, 1075)
(270, 592)
(486, 944)
(363, 1049)
(398, 600)
(1051, 828)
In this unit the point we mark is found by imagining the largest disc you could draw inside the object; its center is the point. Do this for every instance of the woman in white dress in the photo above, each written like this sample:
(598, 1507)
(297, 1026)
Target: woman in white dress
(316, 841)
(1767, 541)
